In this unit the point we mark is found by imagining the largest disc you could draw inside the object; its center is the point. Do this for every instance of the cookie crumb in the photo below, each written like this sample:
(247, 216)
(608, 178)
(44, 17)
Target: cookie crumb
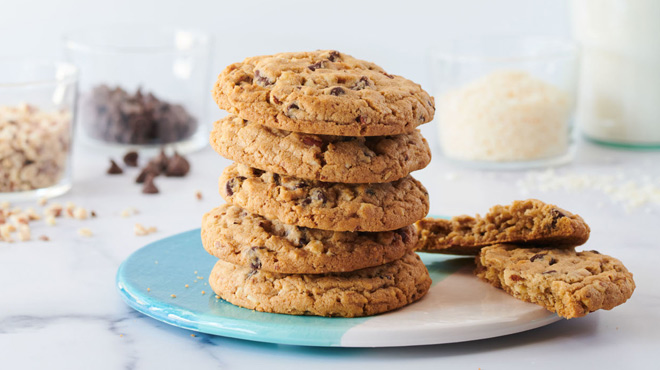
(50, 221)
(198, 195)
(54, 210)
(93, 214)
(203, 292)
(85, 232)
(193, 335)
(42, 201)
(24, 232)
(186, 285)
(114, 168)
(140, 230)
(148, 289)
(173, 295)
(44, 238)
(80, 213)
(128, 212)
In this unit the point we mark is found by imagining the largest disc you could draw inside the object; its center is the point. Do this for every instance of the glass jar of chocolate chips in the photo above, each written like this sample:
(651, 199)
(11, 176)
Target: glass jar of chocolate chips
(142, 87)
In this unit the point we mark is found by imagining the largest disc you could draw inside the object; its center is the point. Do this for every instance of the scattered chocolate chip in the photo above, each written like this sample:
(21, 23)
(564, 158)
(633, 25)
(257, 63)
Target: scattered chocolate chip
(536, 257)
(549, 272)
(552, 261)
(315, 66)
(516, 277)
(177, 166)
(334, 55)
(131, 159)
(149, 187)
(312, 141)
(336, 91)
(114, 168)
(262, 80)
(115, 115)
(160, 161)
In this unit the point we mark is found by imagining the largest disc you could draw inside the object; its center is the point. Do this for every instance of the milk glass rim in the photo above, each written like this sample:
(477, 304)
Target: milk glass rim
(83, 39)
(552, 48)
(63, 72)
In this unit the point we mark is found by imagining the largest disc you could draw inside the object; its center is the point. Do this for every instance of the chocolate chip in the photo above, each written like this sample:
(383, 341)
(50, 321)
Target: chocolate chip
(152, 168)
(315, 66)
(595, 252)
(306, 202)
(516, 278)
(552, 261)
(301, 185)
(536, 257)
(276, 100)
(131, 159)
(261, 80)
(302, 241)
(276, 179)
(229, 187)
(362, 83)
(312, 141)
(336, 91)
(251, 273)
(318, 194)
(255, 262)
(114, 168)
(556, 215)
(361, 119)
(341, 80)
(118, 116)
(549, 272)
(149, 187)
(293, 106)
(257, 172)
(388, 75)
(177, 166)
(370, 191)
(404, 235)
(334, 55)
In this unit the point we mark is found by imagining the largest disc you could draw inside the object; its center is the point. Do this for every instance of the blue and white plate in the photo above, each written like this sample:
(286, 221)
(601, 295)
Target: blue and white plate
(457, 308)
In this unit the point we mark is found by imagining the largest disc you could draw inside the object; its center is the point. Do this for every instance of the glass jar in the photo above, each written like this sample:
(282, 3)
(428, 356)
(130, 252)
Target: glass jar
(37, 100)
(505, 103)
(619, 101)
(142, 87)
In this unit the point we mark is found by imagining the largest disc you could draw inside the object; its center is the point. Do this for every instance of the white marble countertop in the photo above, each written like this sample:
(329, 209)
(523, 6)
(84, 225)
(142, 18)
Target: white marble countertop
(59, 307)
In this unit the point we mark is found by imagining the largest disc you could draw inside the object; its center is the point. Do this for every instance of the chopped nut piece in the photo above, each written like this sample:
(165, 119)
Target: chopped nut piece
(42, 201)
(54, 209)
(140, 230)
(93, 214)
(128, 212)
(80, 213)
(24, 232)
(85, 232)
(50, 221)
(44, 238)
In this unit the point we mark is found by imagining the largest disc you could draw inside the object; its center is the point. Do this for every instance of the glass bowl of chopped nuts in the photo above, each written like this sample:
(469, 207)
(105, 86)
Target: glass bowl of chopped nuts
(142, 87)
(37, 101)
(505, 102)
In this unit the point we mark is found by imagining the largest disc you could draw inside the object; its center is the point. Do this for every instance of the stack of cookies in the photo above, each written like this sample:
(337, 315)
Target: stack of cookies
(527, 249)
(320, 203)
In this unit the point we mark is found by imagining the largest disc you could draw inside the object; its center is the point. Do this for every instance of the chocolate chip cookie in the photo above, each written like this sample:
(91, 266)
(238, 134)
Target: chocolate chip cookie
(322, 92)
(321, 157)
(359, 293)
(570, 283)
(326, 206)
(242, 238)
(525, 222)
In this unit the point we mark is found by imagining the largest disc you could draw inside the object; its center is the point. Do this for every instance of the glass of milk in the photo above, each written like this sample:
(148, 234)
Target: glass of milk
(619, 98)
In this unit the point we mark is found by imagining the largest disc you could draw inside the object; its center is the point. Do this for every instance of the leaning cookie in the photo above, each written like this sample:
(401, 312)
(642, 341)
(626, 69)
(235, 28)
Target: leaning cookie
(320, 157)
(359, 293)
(322, 92)
(242, 238)
(526, 222)
(326, 206)
(570, 283)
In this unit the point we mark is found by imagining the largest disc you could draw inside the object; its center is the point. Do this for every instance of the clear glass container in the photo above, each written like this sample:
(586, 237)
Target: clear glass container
(142, 87)
(505, 103)
(619, 100)
(37, 103)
